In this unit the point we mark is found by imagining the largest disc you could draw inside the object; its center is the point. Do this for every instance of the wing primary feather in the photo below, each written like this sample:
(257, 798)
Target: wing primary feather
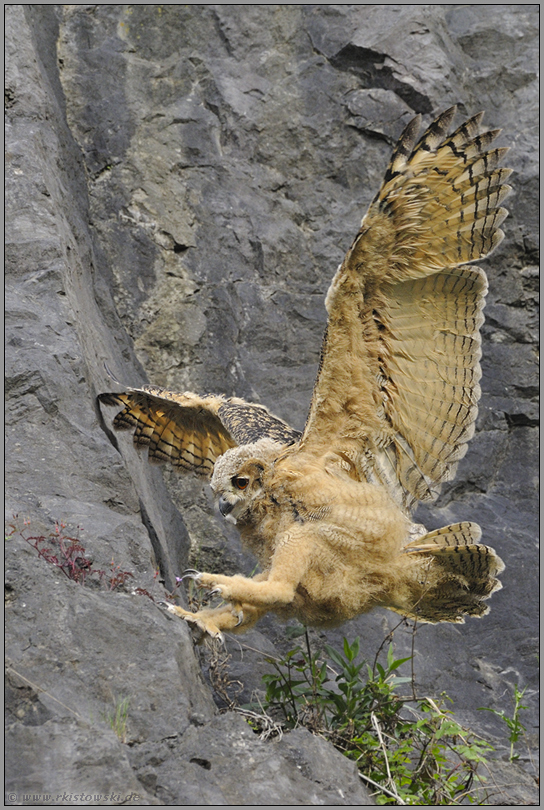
(434, 135)
(399, 372)
(403, 150)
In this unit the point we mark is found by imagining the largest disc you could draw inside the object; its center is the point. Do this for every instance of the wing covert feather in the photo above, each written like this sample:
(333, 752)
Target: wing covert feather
(191, 431)
(184, 429)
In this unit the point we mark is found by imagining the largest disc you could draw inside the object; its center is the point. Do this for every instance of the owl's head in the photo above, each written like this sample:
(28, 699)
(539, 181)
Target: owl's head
(238, 477)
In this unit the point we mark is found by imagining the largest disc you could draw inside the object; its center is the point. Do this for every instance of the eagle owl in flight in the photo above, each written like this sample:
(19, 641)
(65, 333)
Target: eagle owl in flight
(327, 512)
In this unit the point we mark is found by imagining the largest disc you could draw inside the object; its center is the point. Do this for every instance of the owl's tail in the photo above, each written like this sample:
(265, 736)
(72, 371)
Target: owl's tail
(448, 575)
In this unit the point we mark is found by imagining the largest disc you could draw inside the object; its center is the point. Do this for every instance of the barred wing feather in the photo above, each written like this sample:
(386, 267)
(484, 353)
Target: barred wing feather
(191, 431)
(397, 388)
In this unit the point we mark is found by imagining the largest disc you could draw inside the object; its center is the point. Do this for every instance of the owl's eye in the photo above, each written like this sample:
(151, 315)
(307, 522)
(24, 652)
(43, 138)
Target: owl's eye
(240, 482)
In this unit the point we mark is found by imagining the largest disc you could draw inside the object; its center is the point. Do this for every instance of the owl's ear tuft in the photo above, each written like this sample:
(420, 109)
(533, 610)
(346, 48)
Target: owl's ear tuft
(253, 469)
(257, 467)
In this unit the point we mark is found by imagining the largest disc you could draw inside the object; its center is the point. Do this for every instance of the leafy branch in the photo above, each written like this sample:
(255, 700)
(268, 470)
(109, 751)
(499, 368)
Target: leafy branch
(410, 748)
(514, 724)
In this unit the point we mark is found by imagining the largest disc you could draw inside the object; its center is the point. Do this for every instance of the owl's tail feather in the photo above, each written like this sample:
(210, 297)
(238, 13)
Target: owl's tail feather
(448, 575)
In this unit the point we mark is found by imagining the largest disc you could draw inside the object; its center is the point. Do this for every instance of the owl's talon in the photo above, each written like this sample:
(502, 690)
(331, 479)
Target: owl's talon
(215, 592)
(190, 573)
(240, 614)
(201, 622)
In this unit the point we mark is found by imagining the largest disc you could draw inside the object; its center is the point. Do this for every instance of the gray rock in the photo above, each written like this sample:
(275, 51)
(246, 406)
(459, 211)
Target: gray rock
(182, 182)
(77, 765)
(222, 763)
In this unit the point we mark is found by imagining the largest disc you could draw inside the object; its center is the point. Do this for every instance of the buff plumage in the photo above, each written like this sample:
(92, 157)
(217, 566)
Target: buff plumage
(327, 512)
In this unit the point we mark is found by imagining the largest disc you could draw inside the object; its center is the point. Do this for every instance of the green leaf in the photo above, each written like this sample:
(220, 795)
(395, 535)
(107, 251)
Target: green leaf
(295, 632)
(351, 651)
(335, 656)
(396, 664)
(415, 752)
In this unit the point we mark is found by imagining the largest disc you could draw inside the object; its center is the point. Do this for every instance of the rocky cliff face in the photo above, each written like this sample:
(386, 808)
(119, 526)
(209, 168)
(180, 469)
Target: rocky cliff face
(182, 183)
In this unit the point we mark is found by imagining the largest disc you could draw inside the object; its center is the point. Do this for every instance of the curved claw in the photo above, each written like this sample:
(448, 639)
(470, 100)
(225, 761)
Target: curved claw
(240, 614)
(215, 592)
(199, 622)
(190, 573)
(162, 604)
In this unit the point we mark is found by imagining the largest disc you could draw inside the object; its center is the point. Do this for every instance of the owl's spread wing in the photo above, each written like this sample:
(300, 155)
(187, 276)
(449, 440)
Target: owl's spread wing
(398, 382)
(191, 431)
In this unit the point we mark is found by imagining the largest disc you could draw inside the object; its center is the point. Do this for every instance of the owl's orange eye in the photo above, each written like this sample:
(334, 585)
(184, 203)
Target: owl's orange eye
(240, 482)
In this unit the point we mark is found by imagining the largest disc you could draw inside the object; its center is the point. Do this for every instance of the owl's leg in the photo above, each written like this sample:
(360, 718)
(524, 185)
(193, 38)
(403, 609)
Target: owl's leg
(290, 562)
(242, 589)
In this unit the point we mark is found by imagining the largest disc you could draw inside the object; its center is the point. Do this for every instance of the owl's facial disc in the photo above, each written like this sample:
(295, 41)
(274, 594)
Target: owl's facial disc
(237, 490)
(237, 478)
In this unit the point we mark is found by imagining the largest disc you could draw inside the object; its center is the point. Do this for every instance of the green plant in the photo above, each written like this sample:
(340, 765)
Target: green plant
(118, 718)
(515, 726)
(410, 748)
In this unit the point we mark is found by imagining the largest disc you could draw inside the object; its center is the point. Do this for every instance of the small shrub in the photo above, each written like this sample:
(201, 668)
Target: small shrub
(116, 576)
(69, 556)
(410, 748)
(514, 724)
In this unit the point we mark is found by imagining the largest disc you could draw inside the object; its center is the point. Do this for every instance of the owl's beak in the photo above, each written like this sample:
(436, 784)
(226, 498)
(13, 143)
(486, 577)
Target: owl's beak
(225, 507)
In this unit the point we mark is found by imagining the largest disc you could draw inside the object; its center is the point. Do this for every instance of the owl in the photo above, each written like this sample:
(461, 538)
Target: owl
(327, 512)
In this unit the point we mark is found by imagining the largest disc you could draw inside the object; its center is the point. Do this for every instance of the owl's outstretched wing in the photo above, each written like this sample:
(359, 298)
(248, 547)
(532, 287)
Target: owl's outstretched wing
(191, 431)
(397, 386)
